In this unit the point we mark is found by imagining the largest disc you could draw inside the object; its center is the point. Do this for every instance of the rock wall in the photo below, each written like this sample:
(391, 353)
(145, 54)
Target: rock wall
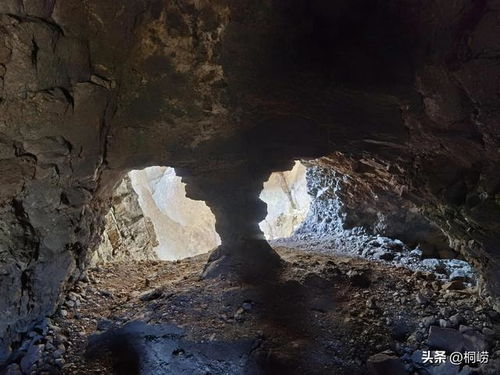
(184, 227)
(128, 234)
(341, 204)
(287, 199)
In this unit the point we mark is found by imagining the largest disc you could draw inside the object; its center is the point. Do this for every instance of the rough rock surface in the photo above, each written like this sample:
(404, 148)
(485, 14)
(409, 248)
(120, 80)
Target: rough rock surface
(128, 234)
(323, 315)
(400, 96)
(287, 200)
(184, 227)
(338, 208)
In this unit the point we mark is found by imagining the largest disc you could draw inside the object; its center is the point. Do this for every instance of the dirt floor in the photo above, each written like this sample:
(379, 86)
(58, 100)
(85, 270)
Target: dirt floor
(323, 314)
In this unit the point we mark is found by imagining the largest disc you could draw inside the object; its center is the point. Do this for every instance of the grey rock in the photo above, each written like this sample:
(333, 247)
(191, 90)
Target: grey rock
(463, 328)
(456, 320)
(32, 356)
(454, 285)
(447, 339)
(446, 368)
(247, 306)
(13, 369)
(475, 341)
(466, 370)
(429, 321)
(443, 323)
(422, 298)
(58, 353)
(104, 324)
(385, 364)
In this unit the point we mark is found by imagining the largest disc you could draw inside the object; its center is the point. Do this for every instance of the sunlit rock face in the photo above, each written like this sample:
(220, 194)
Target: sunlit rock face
(128, 234)
(184, 227)
(285, 194)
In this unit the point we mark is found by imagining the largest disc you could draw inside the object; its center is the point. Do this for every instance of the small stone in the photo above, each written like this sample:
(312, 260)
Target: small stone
(446, 368)
(454, 285)
(13, 369)
(359, 279)
(429, 321)
(59, 362)
(463, 328)
(475, 341)
(466, 370)
(384, 364)
(104, 324)
(58, 353)
(238, 315)
(247, 306)
(106, 293)
(494, 315)
(32, 356)
(60, 339)
(456, 320)
(385, 255)
(63, 313)
(150, 295)
(443, 323)
(370, 303)
(422, 299)
(445, 339)
(488, 332)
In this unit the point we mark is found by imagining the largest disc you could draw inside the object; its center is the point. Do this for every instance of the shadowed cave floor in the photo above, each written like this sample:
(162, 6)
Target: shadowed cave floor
(322, 315)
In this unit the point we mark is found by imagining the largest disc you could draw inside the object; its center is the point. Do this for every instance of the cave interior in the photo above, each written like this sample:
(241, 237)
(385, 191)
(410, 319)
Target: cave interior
(392, 110)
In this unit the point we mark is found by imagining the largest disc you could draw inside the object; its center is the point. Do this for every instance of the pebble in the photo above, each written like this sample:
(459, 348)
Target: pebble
(247, 306)
(422, 299)
(456, 320)
(454, 285)
(443, 323)
(370, 303)
(488, 332)
(448, 339)
(104, 324)
(13, 369)
(32, 356)
(384, 364)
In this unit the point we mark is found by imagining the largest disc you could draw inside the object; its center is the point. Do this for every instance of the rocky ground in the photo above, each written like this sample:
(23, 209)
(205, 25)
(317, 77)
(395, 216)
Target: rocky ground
(323, 314)
(358, 243)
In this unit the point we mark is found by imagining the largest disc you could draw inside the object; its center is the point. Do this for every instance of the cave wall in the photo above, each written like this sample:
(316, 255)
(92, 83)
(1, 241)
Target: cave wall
(399, 95)
(128, 234)
(344, 200)
(287, 200)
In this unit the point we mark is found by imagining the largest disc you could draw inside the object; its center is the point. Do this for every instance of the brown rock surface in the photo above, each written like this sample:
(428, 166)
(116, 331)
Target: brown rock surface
(128, 235)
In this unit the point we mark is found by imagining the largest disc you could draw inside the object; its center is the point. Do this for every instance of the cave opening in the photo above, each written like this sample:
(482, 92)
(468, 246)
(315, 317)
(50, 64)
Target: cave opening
(152, 218)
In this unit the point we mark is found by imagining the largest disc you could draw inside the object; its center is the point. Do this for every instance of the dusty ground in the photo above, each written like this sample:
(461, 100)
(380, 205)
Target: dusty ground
(322, 315)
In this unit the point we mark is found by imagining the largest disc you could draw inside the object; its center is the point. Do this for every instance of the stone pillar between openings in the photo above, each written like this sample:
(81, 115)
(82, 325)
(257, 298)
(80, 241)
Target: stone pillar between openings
(233, 196)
